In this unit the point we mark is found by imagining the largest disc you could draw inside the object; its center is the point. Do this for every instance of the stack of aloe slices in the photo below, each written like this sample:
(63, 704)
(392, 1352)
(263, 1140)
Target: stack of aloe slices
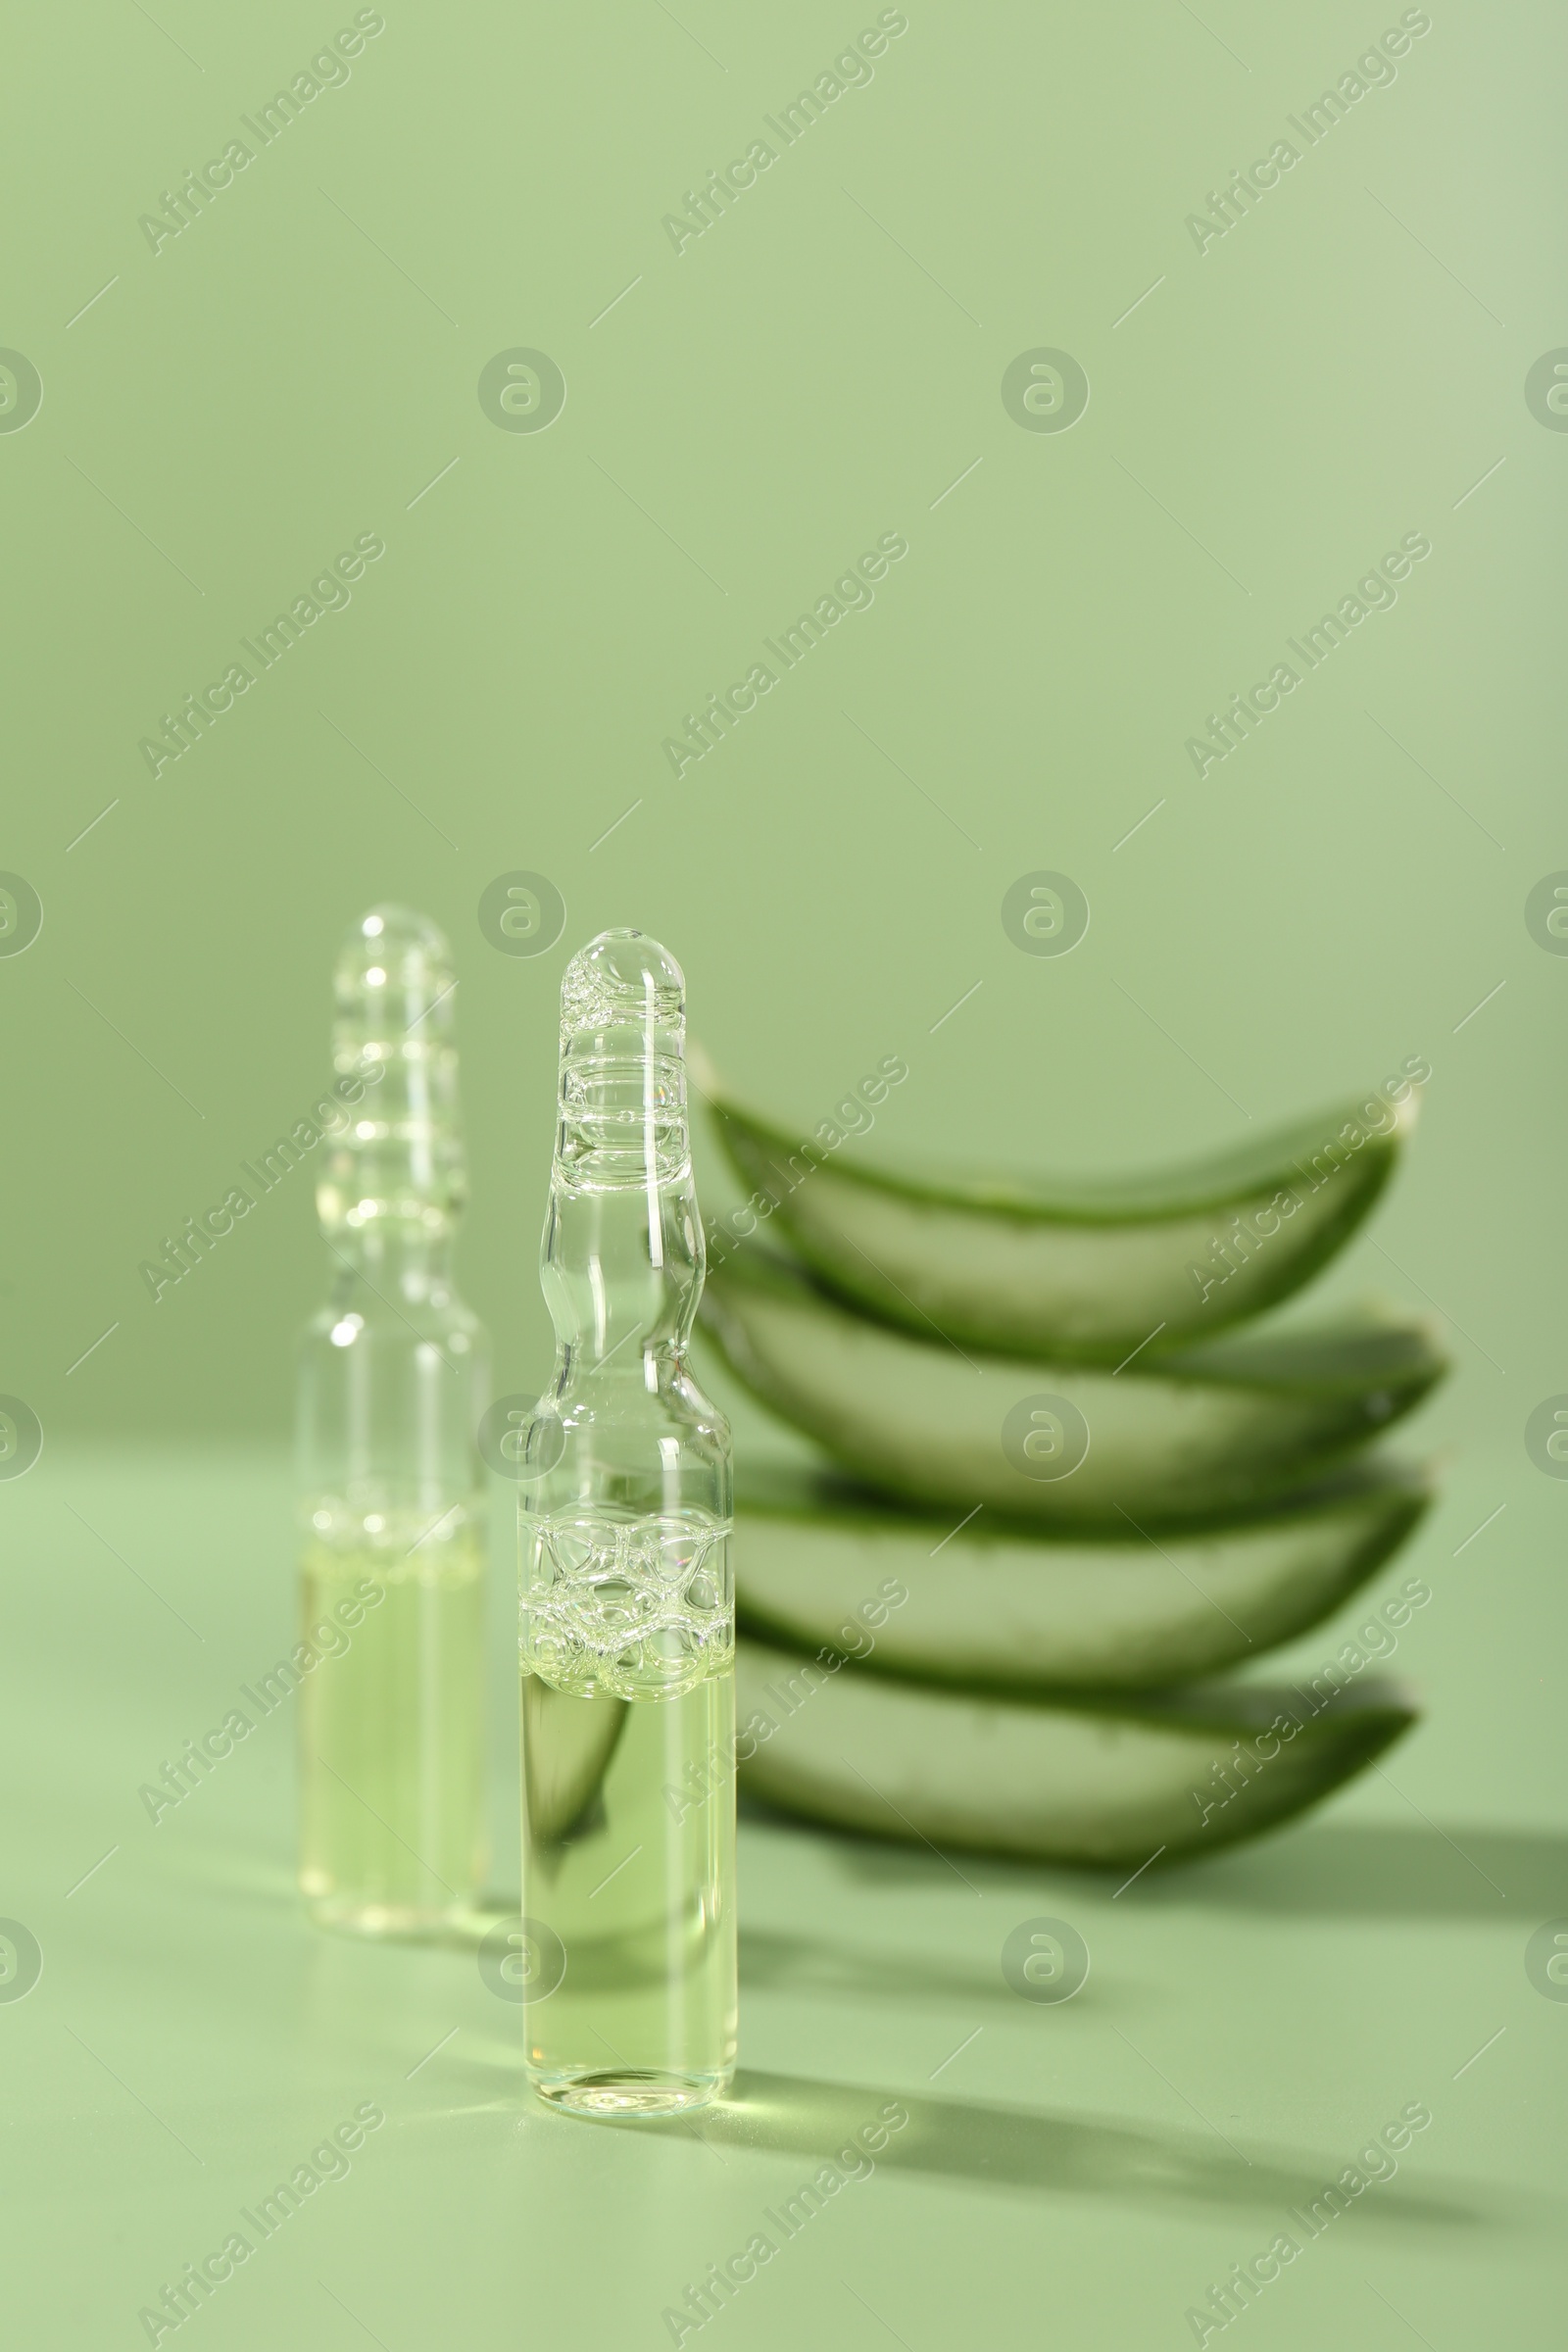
(944, 1635)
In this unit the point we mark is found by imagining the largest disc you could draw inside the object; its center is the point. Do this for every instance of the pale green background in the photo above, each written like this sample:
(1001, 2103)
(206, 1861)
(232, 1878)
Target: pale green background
(754, 413)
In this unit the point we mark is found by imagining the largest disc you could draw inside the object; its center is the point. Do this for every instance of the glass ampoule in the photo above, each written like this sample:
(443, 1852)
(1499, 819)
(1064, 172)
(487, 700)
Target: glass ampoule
(393, 1378)
(628, 1639)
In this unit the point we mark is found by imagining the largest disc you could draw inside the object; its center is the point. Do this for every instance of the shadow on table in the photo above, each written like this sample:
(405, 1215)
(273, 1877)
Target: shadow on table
(1017, 2148)
(1375, 1870)
(1335, 1869)
(786, 1960)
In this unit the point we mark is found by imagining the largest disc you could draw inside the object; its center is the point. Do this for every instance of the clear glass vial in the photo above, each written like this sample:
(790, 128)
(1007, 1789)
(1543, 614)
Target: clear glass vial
(392, 1384)
(628, 1629)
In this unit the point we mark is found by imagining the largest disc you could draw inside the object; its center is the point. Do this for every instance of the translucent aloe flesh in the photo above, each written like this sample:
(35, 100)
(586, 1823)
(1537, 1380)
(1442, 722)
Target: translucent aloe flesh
(1117, 1784)
(1085, 1272)
(1000, 1607)
(1192, 1434)
(570, 1744)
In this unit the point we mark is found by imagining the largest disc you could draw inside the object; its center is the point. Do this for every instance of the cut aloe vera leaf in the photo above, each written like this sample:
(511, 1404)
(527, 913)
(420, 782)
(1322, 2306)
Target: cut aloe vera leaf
(1084, 1271)
(998, 1605)
(567, 1744)
(1199, 1434)
(1118, 1783)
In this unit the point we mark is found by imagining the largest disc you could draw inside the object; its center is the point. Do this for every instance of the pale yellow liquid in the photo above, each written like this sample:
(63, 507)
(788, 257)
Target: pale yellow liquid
(391, 1761)
(628, 1861)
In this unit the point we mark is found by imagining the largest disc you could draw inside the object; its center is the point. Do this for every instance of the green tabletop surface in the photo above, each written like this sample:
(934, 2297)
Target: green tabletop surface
(1078, 2174)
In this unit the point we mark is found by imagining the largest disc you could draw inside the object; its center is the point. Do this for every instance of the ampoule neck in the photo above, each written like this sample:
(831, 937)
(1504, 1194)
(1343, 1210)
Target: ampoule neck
(391, 1183)
(650, 1365)
(399, 1262)
(622, 1255)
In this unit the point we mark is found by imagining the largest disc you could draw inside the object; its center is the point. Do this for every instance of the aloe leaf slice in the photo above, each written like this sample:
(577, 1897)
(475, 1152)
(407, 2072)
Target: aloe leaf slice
(568, 1742)
(996, 1606)
(1119, 1784)
(1199, 1434)
(1084, 1272)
